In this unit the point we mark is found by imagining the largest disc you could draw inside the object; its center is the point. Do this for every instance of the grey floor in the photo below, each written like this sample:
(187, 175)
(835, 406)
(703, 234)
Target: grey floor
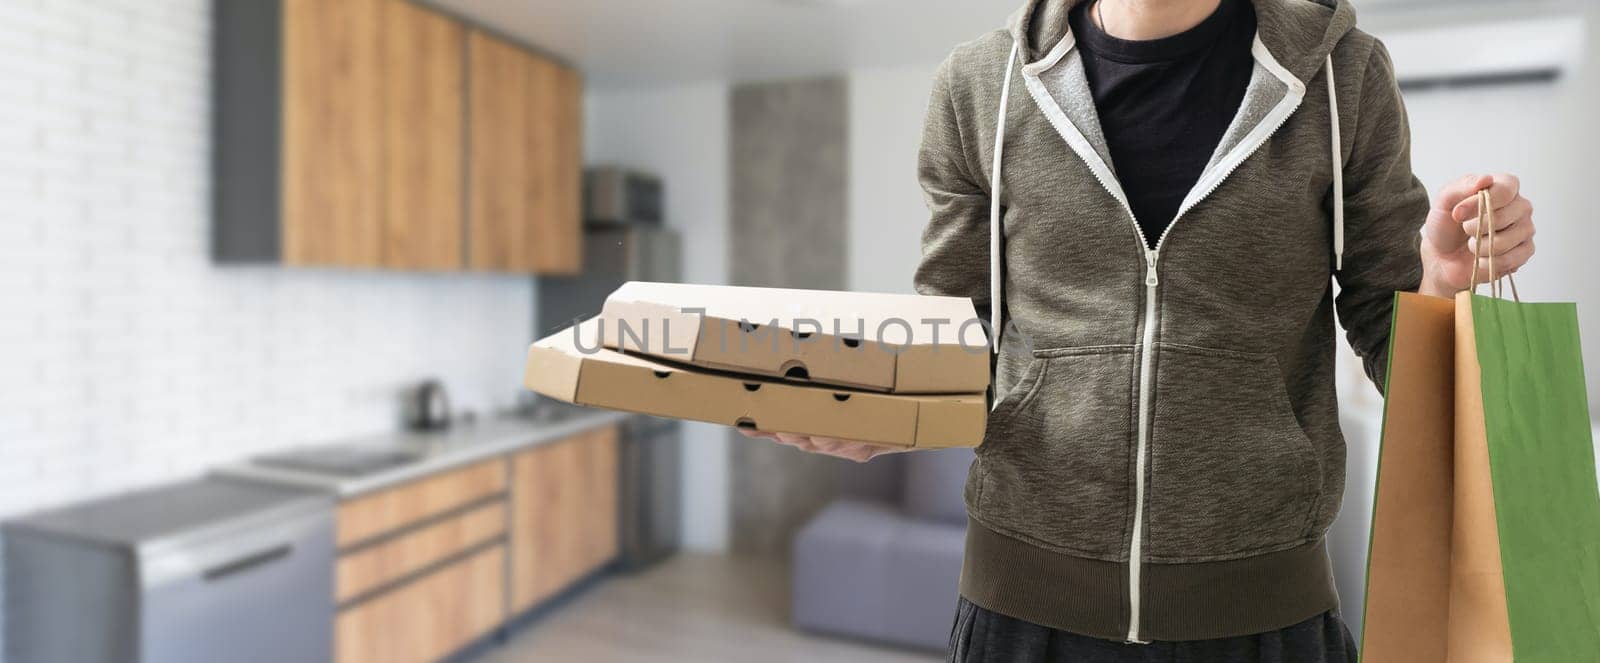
(692, 608)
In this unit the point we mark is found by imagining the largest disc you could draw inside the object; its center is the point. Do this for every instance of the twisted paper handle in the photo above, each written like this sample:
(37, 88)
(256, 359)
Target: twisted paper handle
(1486, 229)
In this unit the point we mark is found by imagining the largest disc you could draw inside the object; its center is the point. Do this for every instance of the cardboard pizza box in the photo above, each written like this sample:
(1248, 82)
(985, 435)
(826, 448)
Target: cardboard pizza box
(885, 342)
(571, 365)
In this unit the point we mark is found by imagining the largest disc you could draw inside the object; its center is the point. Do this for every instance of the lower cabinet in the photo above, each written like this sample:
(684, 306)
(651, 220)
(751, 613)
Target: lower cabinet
(375, 567)
(381, 513)
(429, 618)
(563, 514)
(430, 566)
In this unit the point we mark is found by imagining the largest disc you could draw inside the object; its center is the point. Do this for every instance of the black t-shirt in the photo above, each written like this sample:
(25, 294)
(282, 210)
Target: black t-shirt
(1165, 103)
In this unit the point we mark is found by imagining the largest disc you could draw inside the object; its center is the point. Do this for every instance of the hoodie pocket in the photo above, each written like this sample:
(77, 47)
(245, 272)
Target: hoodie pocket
(1232, 472)
(1018, 394)
(1056, 460)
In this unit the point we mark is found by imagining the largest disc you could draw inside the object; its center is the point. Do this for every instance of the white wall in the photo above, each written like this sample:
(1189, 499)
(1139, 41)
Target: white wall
(887, 107)
(128, 357)
(681, 133)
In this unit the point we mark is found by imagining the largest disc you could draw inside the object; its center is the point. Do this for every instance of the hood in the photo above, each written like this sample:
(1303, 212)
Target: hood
(1299, 33)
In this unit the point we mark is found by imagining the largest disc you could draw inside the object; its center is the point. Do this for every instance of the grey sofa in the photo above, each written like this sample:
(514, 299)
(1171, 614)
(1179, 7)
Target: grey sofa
(887, 571)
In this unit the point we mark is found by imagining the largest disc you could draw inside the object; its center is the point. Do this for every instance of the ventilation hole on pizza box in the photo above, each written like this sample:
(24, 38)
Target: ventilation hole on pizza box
(841, 397)
(746, 422)
(852, 342)
(795, 370)
(662, 374)
(752, 386)
(748, 327)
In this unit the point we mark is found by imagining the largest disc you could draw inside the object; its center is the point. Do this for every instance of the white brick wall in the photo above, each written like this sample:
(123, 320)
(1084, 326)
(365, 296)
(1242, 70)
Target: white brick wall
(126, 356)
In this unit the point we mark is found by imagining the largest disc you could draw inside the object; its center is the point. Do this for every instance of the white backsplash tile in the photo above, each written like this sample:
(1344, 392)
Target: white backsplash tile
(129, 358)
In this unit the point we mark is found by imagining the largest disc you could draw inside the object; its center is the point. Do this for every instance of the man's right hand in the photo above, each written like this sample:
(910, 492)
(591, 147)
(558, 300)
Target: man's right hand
(857, 451)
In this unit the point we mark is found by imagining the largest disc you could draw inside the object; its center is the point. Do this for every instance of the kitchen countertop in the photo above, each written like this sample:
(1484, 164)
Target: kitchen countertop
(459, 445)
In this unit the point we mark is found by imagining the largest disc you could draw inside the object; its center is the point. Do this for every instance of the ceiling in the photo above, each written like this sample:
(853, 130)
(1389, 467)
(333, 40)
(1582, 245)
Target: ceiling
(622, 43)
(632, 42)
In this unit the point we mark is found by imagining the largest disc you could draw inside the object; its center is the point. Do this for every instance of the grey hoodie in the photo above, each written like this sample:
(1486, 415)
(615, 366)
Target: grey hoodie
(1164, 458)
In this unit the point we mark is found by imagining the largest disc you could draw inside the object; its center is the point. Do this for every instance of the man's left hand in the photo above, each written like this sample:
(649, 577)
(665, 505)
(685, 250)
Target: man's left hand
(1450, 249)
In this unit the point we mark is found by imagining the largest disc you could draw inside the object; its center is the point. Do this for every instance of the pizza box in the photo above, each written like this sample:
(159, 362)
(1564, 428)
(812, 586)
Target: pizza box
(898, 343)
(572, 365)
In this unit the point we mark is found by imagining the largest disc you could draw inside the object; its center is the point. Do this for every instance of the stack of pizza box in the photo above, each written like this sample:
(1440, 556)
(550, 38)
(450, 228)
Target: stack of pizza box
(893, 369)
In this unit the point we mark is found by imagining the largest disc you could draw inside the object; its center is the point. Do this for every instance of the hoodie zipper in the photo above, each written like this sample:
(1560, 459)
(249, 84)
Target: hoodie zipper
(1146, 388)
(1152, 281)
(1148, 354)
(1208, 184)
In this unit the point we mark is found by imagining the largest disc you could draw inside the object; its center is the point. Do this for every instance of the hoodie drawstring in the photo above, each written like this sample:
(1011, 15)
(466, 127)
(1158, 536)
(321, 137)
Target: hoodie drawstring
(995, 290)
(1338, 170)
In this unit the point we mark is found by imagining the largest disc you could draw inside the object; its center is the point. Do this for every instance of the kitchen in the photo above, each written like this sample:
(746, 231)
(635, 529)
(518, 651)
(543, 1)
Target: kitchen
(256, 255)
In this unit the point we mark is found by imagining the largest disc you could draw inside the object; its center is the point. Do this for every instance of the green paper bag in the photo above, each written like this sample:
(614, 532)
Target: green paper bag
(1486, 521)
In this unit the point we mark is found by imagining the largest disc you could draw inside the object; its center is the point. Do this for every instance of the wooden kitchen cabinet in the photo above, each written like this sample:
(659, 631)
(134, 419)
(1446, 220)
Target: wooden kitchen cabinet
(431, 565)
(564, 514)
(385, 134)
(338, 134)
(600, 491)
(497, 194)
(392, 509)
(421, 570)
(299, 136)
(526, 154)
(423, 117)
(555, 150)
(332, 148)
(373, 567)
(428, 618)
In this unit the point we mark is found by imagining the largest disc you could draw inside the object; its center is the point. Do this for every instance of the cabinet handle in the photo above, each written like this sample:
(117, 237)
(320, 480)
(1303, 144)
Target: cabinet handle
(247, 562)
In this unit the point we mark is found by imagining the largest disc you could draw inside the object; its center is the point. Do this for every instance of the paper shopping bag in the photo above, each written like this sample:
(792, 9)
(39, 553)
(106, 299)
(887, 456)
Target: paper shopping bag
(1526, 569)
(1408, 558)
(1486, 522)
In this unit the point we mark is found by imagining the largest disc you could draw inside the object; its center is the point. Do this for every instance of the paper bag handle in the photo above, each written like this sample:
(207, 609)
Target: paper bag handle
(1486, 230)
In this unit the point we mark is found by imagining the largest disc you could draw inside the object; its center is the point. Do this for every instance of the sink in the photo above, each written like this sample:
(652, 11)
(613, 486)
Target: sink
(340, 460)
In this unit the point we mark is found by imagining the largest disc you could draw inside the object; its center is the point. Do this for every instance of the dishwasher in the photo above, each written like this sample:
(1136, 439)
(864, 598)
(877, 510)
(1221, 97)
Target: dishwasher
(200, 571)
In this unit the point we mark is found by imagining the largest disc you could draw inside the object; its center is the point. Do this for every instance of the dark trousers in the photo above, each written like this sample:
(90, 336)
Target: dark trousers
(983, 636)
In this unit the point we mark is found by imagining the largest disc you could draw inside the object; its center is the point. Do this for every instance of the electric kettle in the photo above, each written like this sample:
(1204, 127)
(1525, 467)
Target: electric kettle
(427, 406)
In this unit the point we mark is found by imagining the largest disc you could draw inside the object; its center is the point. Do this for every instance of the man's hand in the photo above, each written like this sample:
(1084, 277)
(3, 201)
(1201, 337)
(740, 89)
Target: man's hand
(859, 452)
(1449, 246)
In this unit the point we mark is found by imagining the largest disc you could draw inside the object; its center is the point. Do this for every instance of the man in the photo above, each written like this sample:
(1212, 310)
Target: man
(1171, 184)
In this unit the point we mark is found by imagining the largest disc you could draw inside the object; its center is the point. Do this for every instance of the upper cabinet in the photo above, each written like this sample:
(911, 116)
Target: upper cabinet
(555, 143)
(525, 138)
(332, 87)
(383, 134)
(499, 237)
(423, 117)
